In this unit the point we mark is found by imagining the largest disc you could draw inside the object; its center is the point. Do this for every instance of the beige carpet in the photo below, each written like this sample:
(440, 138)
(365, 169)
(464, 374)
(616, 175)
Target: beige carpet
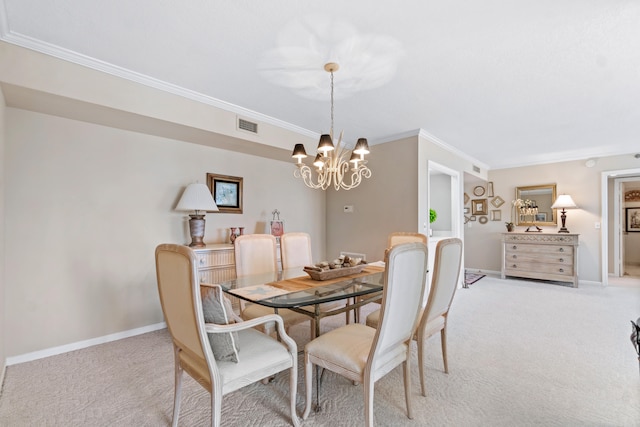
(520, 353)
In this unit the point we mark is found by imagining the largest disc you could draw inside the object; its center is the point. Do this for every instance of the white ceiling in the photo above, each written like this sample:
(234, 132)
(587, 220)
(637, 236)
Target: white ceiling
(508, 82)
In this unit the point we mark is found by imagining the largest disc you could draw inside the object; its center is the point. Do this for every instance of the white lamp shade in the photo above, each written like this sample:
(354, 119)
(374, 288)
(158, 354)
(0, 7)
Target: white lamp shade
(564, 201)
(197, 197)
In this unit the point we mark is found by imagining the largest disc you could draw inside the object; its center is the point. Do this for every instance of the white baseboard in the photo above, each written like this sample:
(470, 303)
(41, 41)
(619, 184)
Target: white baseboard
(40, 354)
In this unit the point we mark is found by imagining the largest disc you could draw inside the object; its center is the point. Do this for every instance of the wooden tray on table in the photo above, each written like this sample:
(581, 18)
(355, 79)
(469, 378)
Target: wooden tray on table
(336, 272)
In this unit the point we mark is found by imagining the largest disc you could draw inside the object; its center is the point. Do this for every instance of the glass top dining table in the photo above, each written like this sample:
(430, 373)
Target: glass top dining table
(293, 289)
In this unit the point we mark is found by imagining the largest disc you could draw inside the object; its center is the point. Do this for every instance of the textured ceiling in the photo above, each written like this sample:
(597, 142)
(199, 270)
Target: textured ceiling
(507, 82)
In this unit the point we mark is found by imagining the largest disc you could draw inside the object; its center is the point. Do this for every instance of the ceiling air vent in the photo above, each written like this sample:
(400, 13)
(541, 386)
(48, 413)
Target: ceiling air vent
(476, 169)
(247, 125)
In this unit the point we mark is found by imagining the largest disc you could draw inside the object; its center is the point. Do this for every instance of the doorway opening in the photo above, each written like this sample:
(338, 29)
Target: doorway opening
(614, 235)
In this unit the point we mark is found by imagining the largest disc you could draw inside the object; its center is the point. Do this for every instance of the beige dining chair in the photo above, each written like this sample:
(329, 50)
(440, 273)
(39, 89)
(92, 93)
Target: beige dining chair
(398, 237)
(197, 344)
(364, 354)
(295, 251)
(395, 238)
(444, 282)
(256, 254)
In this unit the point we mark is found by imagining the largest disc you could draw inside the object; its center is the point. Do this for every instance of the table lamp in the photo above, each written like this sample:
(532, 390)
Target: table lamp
(564, 201)
(198, 198)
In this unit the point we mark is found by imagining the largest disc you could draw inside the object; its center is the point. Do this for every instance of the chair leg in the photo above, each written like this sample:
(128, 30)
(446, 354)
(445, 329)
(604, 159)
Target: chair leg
(443, 339)
(421, 364)
(177, 393)
(368, 400)
(216, 406)
(406, 368)
(312, 324)
(293, 389)
(308, 367)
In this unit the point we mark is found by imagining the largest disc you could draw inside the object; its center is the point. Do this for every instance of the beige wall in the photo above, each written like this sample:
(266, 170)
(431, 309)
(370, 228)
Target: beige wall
(582, 183)
(86, 206)
(386, 202)
(2, 239)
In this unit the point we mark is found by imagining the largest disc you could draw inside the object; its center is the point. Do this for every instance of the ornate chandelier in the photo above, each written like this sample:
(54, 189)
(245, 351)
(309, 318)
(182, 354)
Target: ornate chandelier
(333, 164)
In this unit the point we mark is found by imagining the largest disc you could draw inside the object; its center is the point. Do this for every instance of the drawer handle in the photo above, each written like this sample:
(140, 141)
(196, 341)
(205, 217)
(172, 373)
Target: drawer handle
(514, 247)
(561, 249)
(201, 262)
(561, 260)
(561, 270)
(514, 266)
(514, 256)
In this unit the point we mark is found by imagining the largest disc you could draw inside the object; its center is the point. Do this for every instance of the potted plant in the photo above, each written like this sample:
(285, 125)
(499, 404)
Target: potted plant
(510, 226)
(432, 217)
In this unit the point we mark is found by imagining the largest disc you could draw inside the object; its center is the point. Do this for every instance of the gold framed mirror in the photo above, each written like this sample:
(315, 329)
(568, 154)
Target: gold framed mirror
(541, 197)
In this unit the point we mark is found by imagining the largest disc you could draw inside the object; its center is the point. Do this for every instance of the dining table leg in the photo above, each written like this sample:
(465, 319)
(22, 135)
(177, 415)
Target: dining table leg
(316, 317)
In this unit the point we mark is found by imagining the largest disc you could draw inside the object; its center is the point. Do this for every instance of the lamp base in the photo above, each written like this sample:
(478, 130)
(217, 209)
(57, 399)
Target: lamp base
(196, 228)
(563, 218)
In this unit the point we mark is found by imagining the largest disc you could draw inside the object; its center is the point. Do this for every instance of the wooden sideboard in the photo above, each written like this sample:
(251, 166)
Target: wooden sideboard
(542, 256)
(216, 263)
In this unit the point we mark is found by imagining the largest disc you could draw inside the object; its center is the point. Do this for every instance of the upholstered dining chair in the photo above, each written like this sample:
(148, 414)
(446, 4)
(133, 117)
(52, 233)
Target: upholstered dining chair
(396, 238)
(444, 282)
(295, 251)
(364, 354)
(208, 352)
(256, 254)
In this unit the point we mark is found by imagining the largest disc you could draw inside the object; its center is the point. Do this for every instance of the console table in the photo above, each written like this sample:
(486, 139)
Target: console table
(542, 256)
(216, 263)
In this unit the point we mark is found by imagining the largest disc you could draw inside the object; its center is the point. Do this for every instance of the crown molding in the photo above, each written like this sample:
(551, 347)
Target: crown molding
(92, 63)
(424, 134)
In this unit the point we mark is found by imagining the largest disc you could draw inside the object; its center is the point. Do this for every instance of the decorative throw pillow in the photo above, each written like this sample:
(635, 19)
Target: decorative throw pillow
(225, 345)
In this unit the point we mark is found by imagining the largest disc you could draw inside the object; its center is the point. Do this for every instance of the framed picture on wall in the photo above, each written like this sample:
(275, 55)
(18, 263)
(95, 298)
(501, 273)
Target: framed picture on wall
(479, 207)
(633, 219)
(226, 191)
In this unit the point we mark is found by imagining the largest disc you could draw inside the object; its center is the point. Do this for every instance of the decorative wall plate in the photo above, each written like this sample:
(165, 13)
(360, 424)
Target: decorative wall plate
(466, 198)
(478, 190)
(497, 201)
(483, 220)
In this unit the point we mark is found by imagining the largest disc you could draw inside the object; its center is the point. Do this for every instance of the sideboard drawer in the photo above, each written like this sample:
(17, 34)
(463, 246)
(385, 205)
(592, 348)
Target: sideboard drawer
(554, 258)
(537, 267)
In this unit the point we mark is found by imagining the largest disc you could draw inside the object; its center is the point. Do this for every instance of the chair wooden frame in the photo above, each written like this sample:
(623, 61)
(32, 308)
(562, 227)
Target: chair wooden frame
(261, 257)
(180, 297)
(434, 317)
(342, 350)
(396, 238)
(295, 251)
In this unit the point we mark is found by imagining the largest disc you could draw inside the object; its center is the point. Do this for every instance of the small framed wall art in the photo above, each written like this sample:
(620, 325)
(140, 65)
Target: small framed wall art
(497, 201)
(479, 207)
(633, 219)
(226, 191)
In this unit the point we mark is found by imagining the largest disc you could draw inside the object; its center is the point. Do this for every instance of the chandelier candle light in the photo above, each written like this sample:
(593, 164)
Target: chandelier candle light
(333, 163)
